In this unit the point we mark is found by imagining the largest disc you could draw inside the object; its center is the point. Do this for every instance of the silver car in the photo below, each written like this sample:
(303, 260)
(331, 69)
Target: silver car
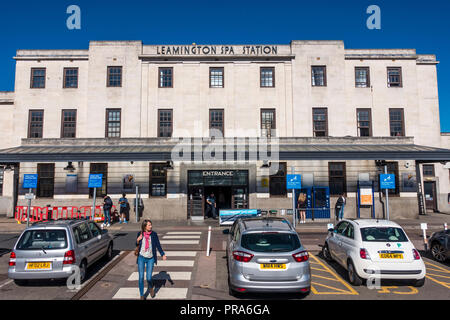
(53, 250)
(266, 255)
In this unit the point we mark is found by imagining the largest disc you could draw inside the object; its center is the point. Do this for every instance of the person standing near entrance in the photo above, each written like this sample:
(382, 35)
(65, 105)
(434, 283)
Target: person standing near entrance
(124, 208)
(147, 243)
(211, 206)
(107, 205)
(339, 208)
(302, 207)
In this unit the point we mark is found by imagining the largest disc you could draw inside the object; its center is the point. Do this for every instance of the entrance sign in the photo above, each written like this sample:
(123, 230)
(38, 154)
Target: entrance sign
(95, 180)
(30, 181)
(227, 217)
(293, 181)
(387, 181)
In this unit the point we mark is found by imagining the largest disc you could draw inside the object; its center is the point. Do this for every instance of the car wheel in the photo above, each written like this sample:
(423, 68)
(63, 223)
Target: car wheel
(419, 283)
(83, 271)
(326, 253)
(438, 252)
(353, 276)
(109, 252)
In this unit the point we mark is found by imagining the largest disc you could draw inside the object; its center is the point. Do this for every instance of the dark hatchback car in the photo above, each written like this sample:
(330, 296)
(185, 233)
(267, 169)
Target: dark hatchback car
(440, 245)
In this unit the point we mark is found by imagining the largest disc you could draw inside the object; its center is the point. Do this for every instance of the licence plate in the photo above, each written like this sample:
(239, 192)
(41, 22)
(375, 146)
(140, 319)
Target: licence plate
(273, 266)
(391, 255)
(39, 266)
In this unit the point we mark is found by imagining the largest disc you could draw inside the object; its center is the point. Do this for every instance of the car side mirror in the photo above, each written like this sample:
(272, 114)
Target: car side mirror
(226, 231)
(331, 230)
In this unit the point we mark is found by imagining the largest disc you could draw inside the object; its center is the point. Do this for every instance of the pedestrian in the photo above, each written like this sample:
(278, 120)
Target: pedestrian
(339, 208)
(211, 206)
(146, 244)
(301, 205)
(124, 207)
(107, 205)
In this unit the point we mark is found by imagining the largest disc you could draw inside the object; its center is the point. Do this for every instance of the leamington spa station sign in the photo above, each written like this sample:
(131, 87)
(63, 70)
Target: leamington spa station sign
(259, 50)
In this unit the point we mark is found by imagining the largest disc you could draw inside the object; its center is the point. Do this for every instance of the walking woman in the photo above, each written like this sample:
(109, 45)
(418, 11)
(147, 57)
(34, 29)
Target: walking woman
(146, 244)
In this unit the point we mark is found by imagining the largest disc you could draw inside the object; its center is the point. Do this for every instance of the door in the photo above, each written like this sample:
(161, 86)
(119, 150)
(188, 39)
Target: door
(430, 195)
(337, 241)
(240, 198)
(196, 202)
(98, 241)
(86, 245)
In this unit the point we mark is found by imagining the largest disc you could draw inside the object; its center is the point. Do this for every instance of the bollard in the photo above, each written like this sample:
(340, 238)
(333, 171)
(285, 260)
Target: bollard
(209, 242)
(445, 226)
(424, 228)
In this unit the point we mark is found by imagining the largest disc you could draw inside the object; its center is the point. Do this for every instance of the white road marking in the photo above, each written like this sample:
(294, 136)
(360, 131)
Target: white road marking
(181, 237)
(171, 233)
(6, 283)
(175, 263)
(164, 276)
(179, 241)
(179, 253)
(162, 294)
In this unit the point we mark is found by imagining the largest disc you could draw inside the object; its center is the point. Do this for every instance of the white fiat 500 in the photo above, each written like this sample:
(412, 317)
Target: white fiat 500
(374, 248)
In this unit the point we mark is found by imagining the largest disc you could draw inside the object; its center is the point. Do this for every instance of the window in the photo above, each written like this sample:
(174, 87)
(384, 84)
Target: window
(2, 170)
(383, 234)
(35, 123)
(216, 77)
(362, 77)
(397, 122)
(268, 122)
(267, 77)
(364, 119)
(84, 233)
(43, 239)
(113, 117)
(319, 76)
(69, 124)
(392, 168)
(95, 231)
(165, 123)
(394, 77)
(340, 228)
(337, 178)
(277, 181)
(166, 77)
(270, 242)
(428, 170)
(46, 180)
(100, 168)
(158, 180)
(320, 122)
(216, 121)
(114, 77)
(38, 78)
(70, 78)
(350, 232)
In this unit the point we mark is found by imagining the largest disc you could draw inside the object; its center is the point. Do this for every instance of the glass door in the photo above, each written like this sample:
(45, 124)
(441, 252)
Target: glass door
(195, 202)
(240, 198)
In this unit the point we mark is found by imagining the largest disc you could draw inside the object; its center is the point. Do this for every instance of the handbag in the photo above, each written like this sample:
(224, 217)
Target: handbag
(136, 251)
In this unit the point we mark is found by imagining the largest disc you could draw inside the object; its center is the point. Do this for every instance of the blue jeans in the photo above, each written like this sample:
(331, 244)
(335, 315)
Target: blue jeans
(142, 263)
(341, 212)
(107, 216)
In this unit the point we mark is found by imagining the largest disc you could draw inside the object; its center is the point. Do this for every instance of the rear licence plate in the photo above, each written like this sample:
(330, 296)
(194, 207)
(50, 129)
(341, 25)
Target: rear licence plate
(273, 266)
(391, 255)
(39, 266)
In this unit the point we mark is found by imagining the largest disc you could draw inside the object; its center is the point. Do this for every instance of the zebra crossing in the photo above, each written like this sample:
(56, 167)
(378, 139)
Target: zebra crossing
(172, 278)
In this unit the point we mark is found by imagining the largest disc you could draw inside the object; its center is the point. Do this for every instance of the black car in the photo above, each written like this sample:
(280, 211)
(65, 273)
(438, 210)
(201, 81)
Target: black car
(440, 245)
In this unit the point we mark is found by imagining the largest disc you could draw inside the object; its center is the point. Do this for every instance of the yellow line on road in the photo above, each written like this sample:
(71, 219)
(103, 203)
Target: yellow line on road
(439, 267)
(447, 285)
(351, 290)
(437, 270)
(315, 275)
(317, 269)
(438, 275)
(339, 291)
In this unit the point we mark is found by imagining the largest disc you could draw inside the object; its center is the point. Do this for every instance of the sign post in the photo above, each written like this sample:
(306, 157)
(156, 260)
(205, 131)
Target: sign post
(29, 182)
(294, 182)
(424, 227)
(387, 181)
(95, 181)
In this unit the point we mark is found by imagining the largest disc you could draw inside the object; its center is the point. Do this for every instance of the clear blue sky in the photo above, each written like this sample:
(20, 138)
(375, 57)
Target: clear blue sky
(423, 25)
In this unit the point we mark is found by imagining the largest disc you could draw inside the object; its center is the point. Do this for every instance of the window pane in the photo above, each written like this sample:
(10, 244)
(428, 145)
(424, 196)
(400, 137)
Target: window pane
(71, 78)
(362, 77)
(36, 124)
(38, 78)
(267, 77)
(318, 76)
(216, 77)
(46, 178)
(114, 76)
(113, 123)
(165, 78)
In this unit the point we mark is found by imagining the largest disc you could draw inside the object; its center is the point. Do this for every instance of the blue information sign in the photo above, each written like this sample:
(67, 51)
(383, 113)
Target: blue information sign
(95, 180)
(30, 181)
(387, 181)
(293, 181)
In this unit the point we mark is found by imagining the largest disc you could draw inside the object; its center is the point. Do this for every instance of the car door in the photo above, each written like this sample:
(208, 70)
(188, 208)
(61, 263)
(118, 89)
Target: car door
(339, 238)
(98, 241)
(348, 242)
(233, 246)
(86, 243)
(333, 241)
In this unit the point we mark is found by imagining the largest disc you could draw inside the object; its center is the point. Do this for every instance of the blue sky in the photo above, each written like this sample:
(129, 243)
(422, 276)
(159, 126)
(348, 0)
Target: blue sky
(423, 25)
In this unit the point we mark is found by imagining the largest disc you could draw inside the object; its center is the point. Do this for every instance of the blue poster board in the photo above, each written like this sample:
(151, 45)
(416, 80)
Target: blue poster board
(293, 181)
(30, 181)
(95, 180)
(387, 181)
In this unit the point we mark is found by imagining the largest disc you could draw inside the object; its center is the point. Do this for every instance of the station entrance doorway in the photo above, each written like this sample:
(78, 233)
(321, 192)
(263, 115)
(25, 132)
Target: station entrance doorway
(230, 189)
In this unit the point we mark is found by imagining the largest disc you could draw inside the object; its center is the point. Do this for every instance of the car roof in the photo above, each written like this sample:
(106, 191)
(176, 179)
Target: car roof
(58, 223)
(265, 224)
(365, 223)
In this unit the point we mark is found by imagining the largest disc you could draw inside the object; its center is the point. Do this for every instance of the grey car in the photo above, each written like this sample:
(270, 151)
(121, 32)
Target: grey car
(53, 250)
(440, 245)
(266, 255)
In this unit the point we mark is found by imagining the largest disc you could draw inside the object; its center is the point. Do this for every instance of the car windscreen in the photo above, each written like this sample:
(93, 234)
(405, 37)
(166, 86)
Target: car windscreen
(270, 242)
(43, 239)
(386, 234)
